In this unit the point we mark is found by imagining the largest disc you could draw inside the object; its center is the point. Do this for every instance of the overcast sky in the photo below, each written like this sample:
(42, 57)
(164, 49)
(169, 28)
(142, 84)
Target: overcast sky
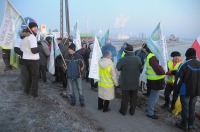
(179, 17)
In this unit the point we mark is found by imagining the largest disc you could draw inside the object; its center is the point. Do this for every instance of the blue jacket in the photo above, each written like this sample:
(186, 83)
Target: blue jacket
(75, 65)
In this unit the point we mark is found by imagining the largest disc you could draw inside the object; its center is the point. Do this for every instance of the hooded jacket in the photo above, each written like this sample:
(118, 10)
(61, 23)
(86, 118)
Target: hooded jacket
(29, 46)
(108, 93)
(187, 79)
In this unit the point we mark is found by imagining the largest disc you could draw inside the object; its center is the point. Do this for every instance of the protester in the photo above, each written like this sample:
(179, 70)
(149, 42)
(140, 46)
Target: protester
(129, 66)
(142, 54)
(22, 66)
(108, 81)
(172, 69)
(44, 53)
(155, 81)
(187, 85)
(108, 46)
(60, 72)
(49, 40)
(119, 55)
(6, 57)
(74, 67)
(85, 53)
(31, 57)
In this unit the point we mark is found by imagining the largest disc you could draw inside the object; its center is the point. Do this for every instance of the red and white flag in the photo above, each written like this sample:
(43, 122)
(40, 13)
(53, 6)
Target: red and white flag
(196, 46)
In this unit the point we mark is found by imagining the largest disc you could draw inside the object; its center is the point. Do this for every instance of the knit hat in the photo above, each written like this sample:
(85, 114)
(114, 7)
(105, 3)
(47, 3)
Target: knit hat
(175, 53)
(128, 47)
(59, 38)
(72, 47)
(32, 24)
(70, 40)
(190, 52)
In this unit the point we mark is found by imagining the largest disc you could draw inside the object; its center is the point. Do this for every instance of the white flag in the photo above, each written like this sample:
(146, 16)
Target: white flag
(158, 46)
(10, 27)
(51, 63)
(77, 40)
(96, 55)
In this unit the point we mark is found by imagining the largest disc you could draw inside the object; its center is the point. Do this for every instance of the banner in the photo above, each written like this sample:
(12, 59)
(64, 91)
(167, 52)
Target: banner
(9, 31)
(55, 51)
(196, 46)
(103, 40)
(96, 55)
(77, 39)
(158, 46)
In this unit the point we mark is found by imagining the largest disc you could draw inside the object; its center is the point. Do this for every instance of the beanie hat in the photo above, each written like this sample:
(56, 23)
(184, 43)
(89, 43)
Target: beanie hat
(144, 45)
(128, 47)
(190, 52)
(175, 53)
(32, 24)
(72, 47)
(70, 40)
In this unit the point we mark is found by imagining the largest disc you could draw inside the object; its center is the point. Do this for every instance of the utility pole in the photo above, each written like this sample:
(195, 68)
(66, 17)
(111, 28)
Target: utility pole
(67, 18)
(61, 18)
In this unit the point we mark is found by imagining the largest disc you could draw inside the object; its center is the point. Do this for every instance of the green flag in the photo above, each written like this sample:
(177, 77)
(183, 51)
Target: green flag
(103, 40)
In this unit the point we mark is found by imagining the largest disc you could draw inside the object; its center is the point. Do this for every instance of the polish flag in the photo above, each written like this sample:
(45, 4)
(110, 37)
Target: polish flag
(196, 46)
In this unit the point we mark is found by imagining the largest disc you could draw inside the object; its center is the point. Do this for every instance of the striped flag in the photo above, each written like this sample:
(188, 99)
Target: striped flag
(196, 46)
(158, 46)
(103, 40)
(9, 30)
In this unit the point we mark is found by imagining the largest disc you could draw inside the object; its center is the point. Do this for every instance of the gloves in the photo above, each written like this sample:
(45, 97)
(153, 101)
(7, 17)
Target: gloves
(39, 43)
(116, 87)
(173, 72)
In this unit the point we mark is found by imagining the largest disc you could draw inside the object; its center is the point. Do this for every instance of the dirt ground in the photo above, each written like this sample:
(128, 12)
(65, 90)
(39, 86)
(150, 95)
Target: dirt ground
(48, 112)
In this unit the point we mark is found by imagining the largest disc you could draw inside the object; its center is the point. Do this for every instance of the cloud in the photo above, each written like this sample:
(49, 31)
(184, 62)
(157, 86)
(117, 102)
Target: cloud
(121, 21)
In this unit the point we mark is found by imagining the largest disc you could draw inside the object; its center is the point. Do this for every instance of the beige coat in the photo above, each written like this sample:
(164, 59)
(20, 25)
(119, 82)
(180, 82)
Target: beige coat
(108, 93)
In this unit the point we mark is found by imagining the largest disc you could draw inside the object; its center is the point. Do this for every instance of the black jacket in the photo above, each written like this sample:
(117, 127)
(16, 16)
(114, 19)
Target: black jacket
(187, 79)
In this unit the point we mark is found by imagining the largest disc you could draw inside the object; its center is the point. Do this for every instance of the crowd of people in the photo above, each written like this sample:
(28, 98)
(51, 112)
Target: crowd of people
(72, 67)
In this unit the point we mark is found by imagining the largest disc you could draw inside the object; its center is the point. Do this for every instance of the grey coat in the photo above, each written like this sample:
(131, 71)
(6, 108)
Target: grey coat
(129, 66)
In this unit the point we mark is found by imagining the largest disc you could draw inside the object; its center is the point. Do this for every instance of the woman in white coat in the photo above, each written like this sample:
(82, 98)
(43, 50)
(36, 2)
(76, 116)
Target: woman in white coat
(108, 81)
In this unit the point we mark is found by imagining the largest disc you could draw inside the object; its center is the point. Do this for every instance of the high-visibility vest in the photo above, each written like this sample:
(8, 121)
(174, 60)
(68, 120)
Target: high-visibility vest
(105, 77)
(171, 78)
(4, 47)
(151, 75)
(123, 54)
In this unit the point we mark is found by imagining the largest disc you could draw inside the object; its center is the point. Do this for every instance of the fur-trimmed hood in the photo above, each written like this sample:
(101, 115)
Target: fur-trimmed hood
(23, 34)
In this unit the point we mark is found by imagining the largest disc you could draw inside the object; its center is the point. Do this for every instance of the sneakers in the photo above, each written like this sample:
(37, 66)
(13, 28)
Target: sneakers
(152, 116)
(181, 126)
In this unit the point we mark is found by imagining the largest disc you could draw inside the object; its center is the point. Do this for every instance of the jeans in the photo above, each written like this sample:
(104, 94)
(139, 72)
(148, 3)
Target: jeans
(72, 83)
(153, 97)
(188, 110)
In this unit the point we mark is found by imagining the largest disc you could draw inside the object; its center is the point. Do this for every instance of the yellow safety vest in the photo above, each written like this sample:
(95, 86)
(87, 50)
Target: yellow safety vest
(151, 75)
(105, 77)
(123, 54)
(171, 78)
(4, 47)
